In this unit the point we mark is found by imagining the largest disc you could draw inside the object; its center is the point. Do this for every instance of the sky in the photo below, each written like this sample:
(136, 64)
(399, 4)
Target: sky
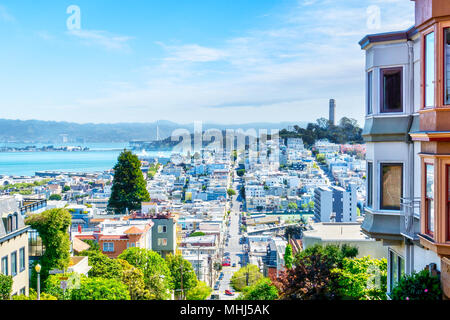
(219, 61)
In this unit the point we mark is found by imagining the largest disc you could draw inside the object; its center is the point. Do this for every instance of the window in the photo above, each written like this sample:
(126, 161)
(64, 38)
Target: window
(108, 247)
(370, 184)
(448, 203)
(447, 66)
(429, 70)
(5, 266)
(162, 229)
(396, 268)
(391, 186)
(9, 226)
(14, 263)
(429, 199)
(131, 245)
(22, 259)
(391, 93)
(162, 242)
(22, 291)
(369, 92)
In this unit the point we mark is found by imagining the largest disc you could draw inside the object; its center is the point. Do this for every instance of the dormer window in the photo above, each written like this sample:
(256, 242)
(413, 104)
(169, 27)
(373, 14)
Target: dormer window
(391, 90)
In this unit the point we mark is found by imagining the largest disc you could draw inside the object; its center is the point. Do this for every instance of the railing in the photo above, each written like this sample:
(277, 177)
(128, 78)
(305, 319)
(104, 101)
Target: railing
(410, 219)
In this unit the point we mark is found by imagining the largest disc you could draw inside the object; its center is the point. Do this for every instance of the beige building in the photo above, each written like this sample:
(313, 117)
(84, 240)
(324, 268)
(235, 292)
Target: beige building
(344, 233)
(14, 245)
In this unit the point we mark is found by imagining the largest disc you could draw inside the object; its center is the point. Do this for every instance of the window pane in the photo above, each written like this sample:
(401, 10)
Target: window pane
(447, 66)
(369, 92)
(430, 197)
(369, 184)
(391, 184)
(392, 90)
(429, 70)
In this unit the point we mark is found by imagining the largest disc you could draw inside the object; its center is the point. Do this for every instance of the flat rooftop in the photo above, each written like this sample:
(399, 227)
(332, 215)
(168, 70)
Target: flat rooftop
(336, 232)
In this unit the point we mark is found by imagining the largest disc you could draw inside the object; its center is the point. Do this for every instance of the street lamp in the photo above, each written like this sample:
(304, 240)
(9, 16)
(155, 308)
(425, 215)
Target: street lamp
(38, 270)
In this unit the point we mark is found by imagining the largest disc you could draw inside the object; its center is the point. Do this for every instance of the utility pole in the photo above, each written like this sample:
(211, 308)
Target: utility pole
(182, 291)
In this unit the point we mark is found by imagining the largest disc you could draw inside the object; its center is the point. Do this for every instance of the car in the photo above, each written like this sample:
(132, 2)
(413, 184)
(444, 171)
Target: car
(217, 286)
(226, 254)
(226, 264)
(234, 265)
(229, 293)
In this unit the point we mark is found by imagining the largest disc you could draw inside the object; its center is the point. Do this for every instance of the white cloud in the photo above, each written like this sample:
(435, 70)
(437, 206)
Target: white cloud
(102, 38)
(5, 15)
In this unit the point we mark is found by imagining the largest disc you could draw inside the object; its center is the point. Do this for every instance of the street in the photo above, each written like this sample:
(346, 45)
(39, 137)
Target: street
(234, 248)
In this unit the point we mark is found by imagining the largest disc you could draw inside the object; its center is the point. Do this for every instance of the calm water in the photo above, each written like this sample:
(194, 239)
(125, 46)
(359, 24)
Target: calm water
(100, 157)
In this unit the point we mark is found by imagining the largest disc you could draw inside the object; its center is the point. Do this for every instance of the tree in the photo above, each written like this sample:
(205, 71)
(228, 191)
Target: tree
(361, 279)
(100, 289)
(133, 278)
(231, 192)
(6, 283)
(55, 197)
(294, 232)
(240, 172)
(182, 272)
(309, 279)
(418, 286)
(335, 254)
(292, 206)
(261, 290)
(52, 226)
(129, 188)
(157, 276)
(200, 292)
(246, 276)
(288, 259)
(102, 266)
(66, 188)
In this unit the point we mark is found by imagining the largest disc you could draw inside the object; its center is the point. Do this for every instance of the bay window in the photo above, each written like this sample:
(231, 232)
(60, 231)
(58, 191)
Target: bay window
(391, 90)
(447, 218)
(429, 199)
(429, 70)
(391, 186)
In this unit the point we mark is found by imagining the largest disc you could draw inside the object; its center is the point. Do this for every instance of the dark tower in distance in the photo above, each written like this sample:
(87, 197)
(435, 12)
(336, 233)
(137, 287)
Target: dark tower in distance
(332, 117)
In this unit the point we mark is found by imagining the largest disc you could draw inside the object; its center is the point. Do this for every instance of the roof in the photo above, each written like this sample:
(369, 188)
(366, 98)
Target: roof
(133, 230)
(336, 232)
(387, 36)
(78, 245)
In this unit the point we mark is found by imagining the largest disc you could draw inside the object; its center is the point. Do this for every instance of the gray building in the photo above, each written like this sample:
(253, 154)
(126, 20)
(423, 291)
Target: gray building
(335, 204)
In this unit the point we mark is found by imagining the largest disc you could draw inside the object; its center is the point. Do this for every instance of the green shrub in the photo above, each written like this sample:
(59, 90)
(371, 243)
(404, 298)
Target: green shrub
(418, 286)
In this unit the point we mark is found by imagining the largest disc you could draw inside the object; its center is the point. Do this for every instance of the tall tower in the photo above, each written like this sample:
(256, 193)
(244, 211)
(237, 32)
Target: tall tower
(332, 117)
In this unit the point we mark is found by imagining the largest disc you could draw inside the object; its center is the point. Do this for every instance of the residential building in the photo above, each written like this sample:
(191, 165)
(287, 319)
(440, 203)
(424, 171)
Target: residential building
(406, 131)
(14, 245)
(335, 204)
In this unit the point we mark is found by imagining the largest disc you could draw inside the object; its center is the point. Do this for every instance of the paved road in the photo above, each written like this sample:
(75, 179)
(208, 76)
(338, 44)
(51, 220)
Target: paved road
(235, 250)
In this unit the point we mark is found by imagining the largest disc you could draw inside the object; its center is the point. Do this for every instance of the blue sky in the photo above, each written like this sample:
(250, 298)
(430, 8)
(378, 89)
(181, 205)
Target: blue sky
(222, 61)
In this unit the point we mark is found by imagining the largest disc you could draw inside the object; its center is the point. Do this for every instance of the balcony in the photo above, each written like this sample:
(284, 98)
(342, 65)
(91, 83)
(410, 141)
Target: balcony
(410, 219)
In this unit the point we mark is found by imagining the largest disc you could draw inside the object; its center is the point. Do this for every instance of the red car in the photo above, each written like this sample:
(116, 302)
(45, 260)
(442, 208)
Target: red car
(229, 293)
(226, 264)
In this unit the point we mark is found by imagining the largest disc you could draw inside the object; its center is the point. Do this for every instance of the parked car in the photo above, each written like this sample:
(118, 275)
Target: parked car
(226, 264)
(217, 286)
(234, 265)
(229, 293)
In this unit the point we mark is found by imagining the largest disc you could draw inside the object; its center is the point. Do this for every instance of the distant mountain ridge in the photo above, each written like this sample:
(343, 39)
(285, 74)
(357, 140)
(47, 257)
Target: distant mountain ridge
(37, 131)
